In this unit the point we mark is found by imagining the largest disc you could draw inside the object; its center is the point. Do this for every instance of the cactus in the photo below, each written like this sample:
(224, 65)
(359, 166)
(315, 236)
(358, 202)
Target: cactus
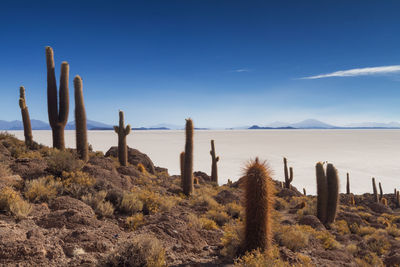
(348, 185)
(58, 112)
(380, 190)
(25, 118)
(376, 197)
(214, 169)
(80, 121)
(352, 201)
(288, 175)
(384, 201)
(333, 193)
(328, 193)
(182, 165)
(398, 199)
(188, 167)
(304, 192)
(322, 192)
(258, 206)
(122, 132)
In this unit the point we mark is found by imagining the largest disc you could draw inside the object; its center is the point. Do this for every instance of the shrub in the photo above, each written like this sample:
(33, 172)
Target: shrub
(366, 230)
(134, 221)
(77, 183)
(60, 161)
(341, 226)
(143, 250)
(234, 210)
(293, 237)
(30, 155)
(208, 224)
(378, 243)
(97, 201)
(42, 189)
(11, 201)
(328, 240)
(220, 217)
(4, 170)
(352, 249)
(154, 202)
(393, 231)
(232, 239)
(256, 258)
(141, 168)
(130, 203)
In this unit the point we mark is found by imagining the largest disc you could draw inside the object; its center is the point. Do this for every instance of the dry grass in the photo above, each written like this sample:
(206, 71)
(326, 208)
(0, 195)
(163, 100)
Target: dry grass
(232, 238)
(97, 201)
(77, 183)
(62, 161)
(11, 201)
(134, 221)
(43, 189)
(130, 203)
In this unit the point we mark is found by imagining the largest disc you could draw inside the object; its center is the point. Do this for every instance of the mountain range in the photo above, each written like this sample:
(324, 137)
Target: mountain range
(305, 124)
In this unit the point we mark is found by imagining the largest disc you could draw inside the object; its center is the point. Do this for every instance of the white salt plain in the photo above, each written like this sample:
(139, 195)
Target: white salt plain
(362, 153)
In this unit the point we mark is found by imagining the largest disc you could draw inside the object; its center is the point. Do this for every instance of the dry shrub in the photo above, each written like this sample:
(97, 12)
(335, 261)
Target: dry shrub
(393, 231)
(130, 203)
(77, 183)
(153, 202)
(293, 237)
(134, 221)
(30, 155)
(4, 170)
(352, 249)
(232, 239)
(366, 230)
(208, 224)
(143, 250)
(261, 259)
(341, 226)
(234, 210)
(42, 189)
(60, 161)
(11, 201)
(220, 217)
(378, 242)
(141, 168)
(100, 206)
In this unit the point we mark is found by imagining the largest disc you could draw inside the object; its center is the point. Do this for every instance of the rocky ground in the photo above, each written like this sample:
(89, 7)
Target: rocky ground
(58, 211)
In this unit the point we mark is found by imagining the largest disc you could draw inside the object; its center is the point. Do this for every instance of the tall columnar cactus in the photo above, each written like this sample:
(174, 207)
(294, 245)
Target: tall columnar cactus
(258, 205)
(376, 197)
(328, 193)
(214, 169)
(58, 112)
(398, 199)
(182, 165)
(304, 192)
(80, 121)
(122, 132)
(288, 174)
(333, 193)
(348, 185)
(380, 190)
(322, 192)
(25, 118)
(188, 167)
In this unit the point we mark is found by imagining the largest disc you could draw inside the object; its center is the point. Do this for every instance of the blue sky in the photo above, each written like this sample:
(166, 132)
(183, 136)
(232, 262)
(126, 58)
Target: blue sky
(224, 63)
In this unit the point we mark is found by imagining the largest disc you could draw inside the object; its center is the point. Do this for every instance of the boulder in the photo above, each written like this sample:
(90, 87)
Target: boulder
(134, 157)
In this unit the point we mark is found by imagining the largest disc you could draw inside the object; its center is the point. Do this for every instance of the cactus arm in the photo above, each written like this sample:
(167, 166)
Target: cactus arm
(116, 129)
(128, 129)
(291, 175)
(217, 159)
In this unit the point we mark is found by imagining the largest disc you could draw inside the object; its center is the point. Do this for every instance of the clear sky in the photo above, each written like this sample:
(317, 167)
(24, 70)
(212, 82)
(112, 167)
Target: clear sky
(224, 63)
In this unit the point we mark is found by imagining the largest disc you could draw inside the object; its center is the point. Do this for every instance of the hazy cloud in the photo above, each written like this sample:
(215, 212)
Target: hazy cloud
(241, 70)
(358, 72)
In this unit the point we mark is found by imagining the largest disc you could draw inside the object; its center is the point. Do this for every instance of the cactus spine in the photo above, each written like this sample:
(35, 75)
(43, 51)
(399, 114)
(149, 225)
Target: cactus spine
(25, 118)
(380, 190)
(122, 132)
(348, 185)
(374, 190)
(80, 121)
(214, 169)
(188, 167)
(258, 206)
(288, 175)
(328, 193)
(58, 112)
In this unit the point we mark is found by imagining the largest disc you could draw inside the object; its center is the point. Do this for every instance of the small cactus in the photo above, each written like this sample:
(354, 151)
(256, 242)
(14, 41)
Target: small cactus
(25, 118)
(188, 167)
(58, 109)
(80, 121)
(304, 192)
(215, 159)
(328, 193)
(288, 175)
(398, 199)
(384, 201)
(348, 185)
(258, 206)
(380, 190)
(376, 197)
(352, 201)
(122, 132)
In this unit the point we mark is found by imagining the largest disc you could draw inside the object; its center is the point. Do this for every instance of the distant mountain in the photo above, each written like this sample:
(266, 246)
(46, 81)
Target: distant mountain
(91, 125)
(256, 127)
(374, 125)
(17, 125)
(167, 126)
(311, 124)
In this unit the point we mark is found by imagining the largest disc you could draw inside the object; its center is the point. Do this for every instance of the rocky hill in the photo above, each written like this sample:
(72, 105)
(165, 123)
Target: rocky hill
(56, 210)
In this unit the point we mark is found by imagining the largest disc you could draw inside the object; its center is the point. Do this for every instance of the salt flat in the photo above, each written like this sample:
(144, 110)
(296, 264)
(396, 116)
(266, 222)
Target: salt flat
(362, 153)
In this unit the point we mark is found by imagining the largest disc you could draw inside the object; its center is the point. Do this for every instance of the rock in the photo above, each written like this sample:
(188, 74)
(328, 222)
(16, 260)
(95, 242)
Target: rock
(69, 203)
(134, 157)
(285, 192)
(350, 218)
(226, 196)
(312, 221)
(202, 176)
(29, 168)
(393, 260)
(379, 208)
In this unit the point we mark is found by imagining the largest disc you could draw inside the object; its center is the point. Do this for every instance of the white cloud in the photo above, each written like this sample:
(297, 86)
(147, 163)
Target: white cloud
(241, 70)
(358, 72)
